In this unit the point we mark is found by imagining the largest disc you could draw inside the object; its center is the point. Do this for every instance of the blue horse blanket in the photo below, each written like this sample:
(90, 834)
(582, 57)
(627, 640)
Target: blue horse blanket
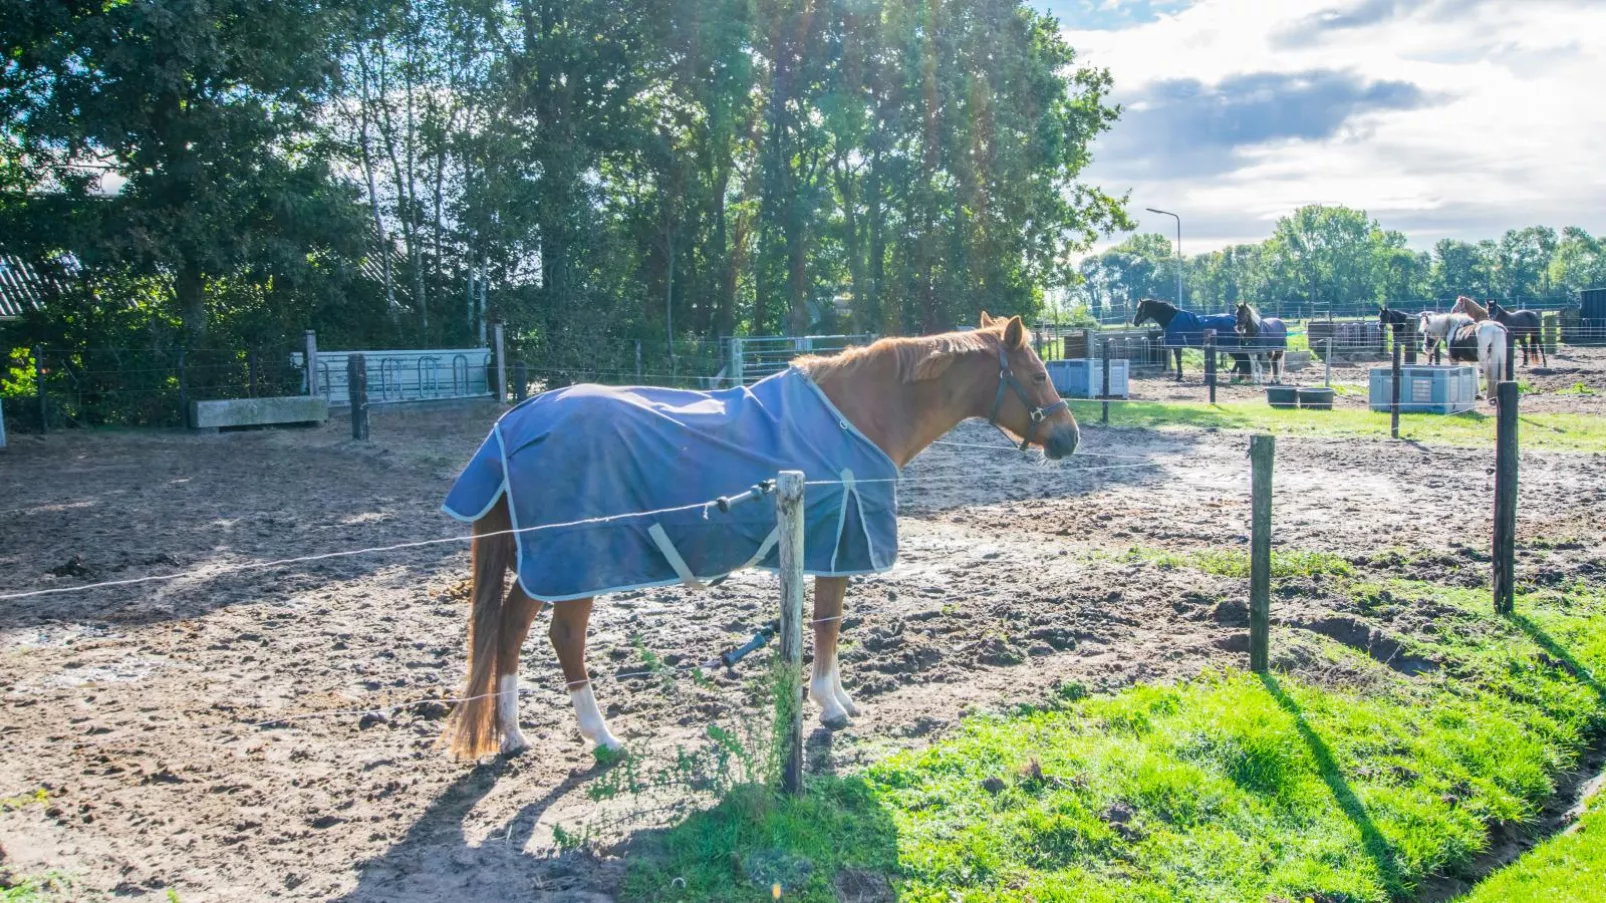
(1187, 330)
(588, 452)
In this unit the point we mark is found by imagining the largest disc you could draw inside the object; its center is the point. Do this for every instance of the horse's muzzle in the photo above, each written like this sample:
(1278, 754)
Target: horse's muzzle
(1062, 442)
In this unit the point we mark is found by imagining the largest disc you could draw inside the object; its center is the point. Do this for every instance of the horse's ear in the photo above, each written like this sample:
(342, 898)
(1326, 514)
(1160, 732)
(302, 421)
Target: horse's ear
(986, 320)
(1014, 333)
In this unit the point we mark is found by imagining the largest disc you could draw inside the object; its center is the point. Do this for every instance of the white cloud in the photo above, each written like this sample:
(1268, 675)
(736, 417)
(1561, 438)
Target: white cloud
(1458, 118)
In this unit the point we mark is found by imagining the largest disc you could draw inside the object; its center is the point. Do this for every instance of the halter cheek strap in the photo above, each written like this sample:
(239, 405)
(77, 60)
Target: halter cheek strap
(1006, 379)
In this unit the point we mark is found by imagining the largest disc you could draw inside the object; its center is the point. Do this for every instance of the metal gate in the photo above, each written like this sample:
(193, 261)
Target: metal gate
(754, 357)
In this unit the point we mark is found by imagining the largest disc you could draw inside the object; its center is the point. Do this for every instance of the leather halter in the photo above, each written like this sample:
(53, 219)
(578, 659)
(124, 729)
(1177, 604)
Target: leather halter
(1006, 379)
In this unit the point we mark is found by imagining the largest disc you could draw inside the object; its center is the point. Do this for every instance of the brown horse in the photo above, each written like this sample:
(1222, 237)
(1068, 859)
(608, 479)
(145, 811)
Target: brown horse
(1525, 326)
(902, 394)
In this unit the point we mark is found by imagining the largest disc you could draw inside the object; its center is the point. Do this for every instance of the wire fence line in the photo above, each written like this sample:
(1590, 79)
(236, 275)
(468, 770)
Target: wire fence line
(705, 507)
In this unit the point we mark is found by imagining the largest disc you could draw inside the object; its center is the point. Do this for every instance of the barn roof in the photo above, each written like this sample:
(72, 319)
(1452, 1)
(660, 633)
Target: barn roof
(22, 287)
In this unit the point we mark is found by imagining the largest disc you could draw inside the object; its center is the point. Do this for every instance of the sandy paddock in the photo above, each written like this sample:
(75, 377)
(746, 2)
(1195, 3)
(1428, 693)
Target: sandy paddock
(147, 712)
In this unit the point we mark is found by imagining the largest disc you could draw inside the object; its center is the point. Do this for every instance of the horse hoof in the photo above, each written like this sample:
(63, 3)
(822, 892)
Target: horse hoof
(513, 743)
(834, 722)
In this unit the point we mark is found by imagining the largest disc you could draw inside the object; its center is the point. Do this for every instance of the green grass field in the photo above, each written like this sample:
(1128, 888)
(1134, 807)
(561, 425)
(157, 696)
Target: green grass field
(1559, 432)
(1230, 787)
(1569, 867)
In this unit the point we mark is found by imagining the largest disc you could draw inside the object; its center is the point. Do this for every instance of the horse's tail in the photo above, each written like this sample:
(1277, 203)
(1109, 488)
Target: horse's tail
(472, 731)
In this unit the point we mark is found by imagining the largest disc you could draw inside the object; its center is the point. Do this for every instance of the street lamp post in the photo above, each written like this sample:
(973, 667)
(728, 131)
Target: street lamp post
(1179, 248)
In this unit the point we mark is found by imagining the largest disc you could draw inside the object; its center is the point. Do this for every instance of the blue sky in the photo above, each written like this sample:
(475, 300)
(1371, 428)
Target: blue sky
(1442, 118)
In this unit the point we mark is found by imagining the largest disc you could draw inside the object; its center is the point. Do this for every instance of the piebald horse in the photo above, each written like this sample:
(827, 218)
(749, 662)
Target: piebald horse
(1469, 342)
(902, 394)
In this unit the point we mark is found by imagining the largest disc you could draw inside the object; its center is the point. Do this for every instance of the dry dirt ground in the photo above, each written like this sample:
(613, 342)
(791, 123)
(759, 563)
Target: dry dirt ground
(218, 735)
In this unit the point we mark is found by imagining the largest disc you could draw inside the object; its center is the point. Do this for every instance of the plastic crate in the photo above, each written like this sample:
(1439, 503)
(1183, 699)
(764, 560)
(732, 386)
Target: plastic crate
(1084, 378)
(1426, 389)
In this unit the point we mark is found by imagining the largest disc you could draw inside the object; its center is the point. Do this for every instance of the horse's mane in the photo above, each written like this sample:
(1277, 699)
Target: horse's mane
(904, 352)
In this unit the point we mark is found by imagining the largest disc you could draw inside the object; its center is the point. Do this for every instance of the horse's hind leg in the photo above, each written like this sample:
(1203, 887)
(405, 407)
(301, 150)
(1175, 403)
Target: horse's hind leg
(568, 635)
(517, 613)
(825, 686)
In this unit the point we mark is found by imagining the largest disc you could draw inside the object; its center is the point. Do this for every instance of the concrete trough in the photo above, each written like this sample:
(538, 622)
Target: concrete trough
(233, 413)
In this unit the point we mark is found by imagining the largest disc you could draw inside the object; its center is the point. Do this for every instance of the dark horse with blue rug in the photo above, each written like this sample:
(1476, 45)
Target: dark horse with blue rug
(1186, 329)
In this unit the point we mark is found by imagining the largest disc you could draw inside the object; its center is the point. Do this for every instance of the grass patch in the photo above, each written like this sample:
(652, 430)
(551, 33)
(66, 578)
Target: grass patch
(1560, 432)
(1235, 563)
(1230, 787)
(35, 888)
(1566, 867)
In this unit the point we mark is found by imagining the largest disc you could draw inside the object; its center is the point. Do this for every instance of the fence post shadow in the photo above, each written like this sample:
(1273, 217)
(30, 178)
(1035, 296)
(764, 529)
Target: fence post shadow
(1377, 846)
(1559, 652)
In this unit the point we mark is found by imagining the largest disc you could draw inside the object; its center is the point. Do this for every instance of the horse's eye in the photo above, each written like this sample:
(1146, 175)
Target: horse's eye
(1040, 377)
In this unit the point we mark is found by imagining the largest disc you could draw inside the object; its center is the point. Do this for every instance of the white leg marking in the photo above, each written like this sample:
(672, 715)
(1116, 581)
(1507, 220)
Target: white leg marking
(841, 695)
(592, 725)
(507, 713)
(823, 690)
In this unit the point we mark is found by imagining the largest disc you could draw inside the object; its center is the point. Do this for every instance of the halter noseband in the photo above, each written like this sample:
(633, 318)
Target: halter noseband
(1006, 378)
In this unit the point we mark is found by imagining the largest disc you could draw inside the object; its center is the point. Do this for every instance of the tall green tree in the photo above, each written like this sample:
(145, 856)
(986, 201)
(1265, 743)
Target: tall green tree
(201, 119)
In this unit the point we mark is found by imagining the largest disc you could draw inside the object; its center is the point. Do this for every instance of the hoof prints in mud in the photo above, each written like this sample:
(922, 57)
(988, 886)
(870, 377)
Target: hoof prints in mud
(1362, 637)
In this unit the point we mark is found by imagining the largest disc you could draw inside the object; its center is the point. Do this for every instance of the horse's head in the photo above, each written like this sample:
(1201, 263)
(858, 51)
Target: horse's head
(1022, 400)
(1495, 310)
(1246, 323)
(1150, 310)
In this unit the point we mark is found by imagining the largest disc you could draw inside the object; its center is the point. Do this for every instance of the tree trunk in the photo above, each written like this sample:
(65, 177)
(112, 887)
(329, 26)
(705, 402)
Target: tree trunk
(189, 290)
(847, 189)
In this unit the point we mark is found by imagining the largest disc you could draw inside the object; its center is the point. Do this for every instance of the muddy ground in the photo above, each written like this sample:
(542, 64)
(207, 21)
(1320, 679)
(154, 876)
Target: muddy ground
(1550, 388)
(230, 736)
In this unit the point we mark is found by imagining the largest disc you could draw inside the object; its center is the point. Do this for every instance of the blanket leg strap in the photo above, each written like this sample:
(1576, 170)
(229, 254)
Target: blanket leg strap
(672, 555)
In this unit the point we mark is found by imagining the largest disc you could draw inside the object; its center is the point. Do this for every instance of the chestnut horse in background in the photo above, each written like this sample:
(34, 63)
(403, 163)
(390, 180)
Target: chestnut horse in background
(901, 393)
(1526, 326)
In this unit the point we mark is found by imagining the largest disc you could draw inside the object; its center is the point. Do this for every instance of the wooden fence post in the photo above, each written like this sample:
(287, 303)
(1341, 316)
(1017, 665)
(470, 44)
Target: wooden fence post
(1262, 450)
(1511, 355)
(357, 386)
(251, 372)
(1394, 405)
(1327, 363)
(311, 358)
(1505, 499)
(501, 363)
(521, 382)
(1209, 362)
(39, 387)
(1104, 416)
(789, 515)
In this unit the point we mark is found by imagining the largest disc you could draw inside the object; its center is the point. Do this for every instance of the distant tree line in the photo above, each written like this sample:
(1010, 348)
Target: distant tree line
(1326, 257)
(213, 173)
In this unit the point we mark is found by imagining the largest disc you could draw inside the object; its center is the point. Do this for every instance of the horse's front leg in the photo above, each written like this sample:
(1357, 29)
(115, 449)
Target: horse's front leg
(825, 687)
(517, 614)
(568, 635)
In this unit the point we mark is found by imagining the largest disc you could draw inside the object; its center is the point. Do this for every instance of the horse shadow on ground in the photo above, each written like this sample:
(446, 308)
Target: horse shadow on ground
(762, 829)
(434, 860)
